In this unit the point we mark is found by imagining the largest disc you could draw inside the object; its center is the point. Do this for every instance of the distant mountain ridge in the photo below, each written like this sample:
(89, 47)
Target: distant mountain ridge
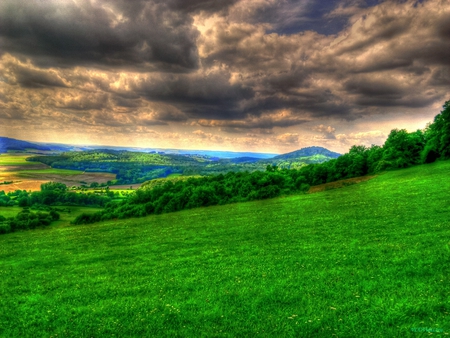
(306, 152)
(7, 144)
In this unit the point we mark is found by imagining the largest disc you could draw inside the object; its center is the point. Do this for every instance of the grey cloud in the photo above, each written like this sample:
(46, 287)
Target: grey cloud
(126, 103)
(198, 95)
(166, 113)
(32, 78)
(251, 122)
(149, 122)
(82, 102)
(142, 35)
(10, 112)
(291, 16)
(386, 27)
(443, 27)
(370, 87)
(440, 77)
(411, 101)
(389, 92)
(209, 6)
(317, 103)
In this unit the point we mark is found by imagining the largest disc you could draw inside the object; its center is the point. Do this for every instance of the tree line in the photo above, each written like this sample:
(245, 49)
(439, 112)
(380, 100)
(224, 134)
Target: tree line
(400, 150)
(53, 193)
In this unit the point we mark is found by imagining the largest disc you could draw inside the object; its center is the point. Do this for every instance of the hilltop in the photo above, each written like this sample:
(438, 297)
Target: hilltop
(306, 152)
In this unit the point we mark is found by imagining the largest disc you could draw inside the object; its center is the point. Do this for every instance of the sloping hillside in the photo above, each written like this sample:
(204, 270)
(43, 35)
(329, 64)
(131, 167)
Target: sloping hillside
(366, 260)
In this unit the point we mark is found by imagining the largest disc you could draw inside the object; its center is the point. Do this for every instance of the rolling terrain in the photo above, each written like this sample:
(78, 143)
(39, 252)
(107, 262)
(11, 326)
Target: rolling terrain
(20, 174)
(28, 170)
(366, 260)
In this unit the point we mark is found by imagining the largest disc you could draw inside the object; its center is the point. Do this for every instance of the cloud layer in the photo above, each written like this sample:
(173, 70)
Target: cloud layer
(260, 75)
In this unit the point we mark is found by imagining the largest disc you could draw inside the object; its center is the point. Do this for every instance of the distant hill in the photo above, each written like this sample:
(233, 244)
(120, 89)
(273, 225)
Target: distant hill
(307, 152)
(245, 159)
(7, 144)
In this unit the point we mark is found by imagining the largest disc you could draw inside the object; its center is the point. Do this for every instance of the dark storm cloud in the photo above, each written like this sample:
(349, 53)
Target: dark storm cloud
(440, 77)
(443, 28)
(127, 103)
(200, 5)
(199, 95)
(388, 92)
(143, 35)
(316, 102)
(33, 78)
(410, 101)
(373, 88)
(263, 122)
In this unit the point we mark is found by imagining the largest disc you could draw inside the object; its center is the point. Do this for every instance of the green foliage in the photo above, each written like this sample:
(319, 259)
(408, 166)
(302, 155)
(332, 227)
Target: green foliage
(175, 195)
(403, 149)
(437, 136)
(52, 194)
(53, 186)
(27, 219)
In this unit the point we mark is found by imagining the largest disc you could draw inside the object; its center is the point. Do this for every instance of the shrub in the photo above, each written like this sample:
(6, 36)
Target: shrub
(5, 227)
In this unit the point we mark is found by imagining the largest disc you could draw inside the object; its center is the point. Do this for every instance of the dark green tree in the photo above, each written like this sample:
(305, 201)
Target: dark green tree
(437, 137)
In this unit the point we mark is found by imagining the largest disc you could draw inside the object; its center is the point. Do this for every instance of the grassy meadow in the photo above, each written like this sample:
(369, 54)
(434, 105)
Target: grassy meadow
(365, 260)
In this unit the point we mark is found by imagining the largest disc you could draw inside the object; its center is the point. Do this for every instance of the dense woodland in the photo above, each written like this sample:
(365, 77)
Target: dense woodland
(400, 150)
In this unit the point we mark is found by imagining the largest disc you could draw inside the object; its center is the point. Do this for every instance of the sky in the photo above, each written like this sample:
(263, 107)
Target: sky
(239, 75)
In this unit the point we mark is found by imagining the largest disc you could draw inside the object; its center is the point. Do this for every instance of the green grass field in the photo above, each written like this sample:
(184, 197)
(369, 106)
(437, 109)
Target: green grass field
(366, 260)
(14, 160)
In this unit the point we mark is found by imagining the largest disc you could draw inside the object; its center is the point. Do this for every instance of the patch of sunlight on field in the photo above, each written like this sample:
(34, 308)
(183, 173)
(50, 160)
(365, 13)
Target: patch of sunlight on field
(14, 160)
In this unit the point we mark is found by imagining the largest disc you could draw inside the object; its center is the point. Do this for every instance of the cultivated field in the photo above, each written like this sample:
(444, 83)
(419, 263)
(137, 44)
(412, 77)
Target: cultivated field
(30, 175)
(366, 260)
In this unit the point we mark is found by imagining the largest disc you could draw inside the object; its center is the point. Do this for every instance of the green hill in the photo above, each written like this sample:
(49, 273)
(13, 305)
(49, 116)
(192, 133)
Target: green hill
(307, 152)
(367, 260)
